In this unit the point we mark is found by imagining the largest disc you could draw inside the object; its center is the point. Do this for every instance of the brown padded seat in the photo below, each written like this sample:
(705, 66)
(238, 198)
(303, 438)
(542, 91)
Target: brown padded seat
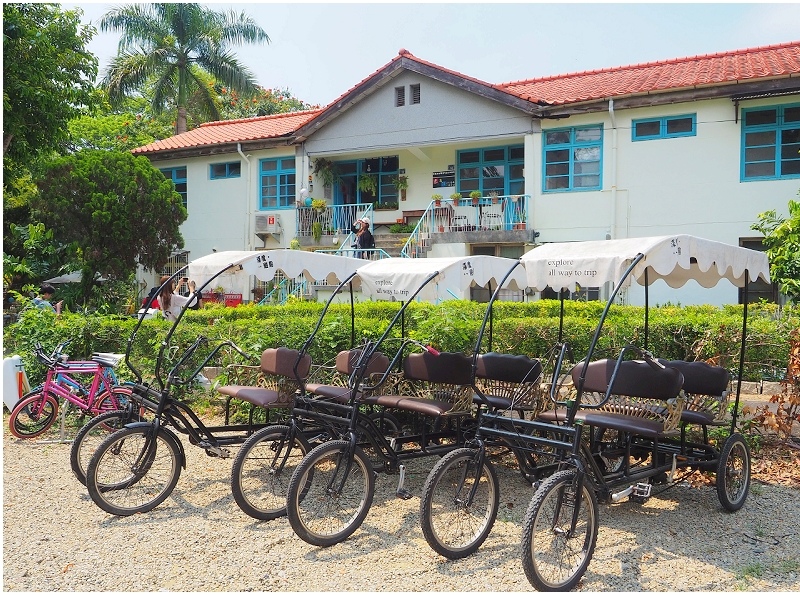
(274, 362)
(506, 368)
(345, 363)
(446, 368)
(700, 378)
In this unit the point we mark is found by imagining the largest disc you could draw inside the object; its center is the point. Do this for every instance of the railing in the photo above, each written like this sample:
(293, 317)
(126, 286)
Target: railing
(283, 290)
(332, 220)
(486, 214)
(368, 254)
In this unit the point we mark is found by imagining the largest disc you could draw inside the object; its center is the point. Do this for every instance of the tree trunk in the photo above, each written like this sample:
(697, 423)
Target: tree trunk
(180, 123)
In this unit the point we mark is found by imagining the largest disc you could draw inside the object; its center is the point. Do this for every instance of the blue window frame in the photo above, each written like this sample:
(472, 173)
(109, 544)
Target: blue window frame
(573, 159)
(495, 169)
(771, 143)
(277, 183)
(178, 177)
(665, 127)
(220, 171)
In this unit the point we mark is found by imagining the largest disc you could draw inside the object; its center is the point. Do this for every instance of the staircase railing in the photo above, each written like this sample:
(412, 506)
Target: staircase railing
(334, 221)
(501, 213)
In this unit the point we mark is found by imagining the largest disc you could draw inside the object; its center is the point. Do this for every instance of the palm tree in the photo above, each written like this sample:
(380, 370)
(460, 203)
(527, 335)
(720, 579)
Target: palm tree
(173, 49)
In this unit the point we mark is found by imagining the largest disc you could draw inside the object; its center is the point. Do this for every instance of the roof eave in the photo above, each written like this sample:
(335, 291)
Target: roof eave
(218, 148)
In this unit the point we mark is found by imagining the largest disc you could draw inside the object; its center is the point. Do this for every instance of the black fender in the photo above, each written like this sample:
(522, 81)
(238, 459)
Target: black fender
(168, 435)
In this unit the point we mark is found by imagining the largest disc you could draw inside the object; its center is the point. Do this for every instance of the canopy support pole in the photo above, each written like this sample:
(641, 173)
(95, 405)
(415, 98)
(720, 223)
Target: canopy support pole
(741, 350)
(646, 308)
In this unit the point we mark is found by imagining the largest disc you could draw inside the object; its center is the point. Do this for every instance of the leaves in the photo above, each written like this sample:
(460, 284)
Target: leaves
(782, 239)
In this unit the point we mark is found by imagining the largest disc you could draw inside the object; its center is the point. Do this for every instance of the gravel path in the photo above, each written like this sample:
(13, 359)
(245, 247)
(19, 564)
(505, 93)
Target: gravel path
(56, 539)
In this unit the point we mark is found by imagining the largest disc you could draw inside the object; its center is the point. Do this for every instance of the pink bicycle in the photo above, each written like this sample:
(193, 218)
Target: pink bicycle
(36, 411)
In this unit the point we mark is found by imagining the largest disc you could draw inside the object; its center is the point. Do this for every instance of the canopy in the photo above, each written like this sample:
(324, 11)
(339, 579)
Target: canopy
(265, 263)
(398, 278)
(676, 259)
(73, 277)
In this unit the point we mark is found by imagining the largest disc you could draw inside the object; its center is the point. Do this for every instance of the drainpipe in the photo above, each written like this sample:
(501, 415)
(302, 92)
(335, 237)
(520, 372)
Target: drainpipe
(612, 227)
(248, 242)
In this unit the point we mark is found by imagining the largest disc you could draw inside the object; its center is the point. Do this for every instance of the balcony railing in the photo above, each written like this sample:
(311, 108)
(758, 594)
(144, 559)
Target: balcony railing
(334, 220)
(503, 213)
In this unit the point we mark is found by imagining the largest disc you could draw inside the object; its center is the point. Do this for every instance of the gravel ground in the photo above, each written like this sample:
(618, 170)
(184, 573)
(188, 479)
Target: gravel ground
(56, 539)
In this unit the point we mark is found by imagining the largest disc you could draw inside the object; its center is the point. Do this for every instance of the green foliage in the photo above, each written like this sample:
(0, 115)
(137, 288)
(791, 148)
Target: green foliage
(401, 228)
(118, 131)
(179, 46)
(44, 257)
(531, 328)
(118, 209)
(48, 76)
(782, 239)
(263, 102)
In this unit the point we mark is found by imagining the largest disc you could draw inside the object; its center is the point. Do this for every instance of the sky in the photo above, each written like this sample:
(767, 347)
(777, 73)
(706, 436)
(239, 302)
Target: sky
(319, 51)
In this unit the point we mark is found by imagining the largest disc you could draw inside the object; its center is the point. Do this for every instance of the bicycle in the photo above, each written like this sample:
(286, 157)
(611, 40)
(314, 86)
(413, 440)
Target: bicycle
(36, 411)
(135, 468)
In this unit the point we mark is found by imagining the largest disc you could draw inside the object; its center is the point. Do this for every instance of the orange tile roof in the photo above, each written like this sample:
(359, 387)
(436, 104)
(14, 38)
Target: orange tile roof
(232, 131)
(710, 69)
(740, 65)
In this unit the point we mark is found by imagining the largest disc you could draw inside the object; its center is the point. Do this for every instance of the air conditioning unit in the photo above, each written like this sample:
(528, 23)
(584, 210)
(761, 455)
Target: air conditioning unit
(267, 223)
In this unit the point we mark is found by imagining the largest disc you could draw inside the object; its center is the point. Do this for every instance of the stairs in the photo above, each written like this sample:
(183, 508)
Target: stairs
(391, 243)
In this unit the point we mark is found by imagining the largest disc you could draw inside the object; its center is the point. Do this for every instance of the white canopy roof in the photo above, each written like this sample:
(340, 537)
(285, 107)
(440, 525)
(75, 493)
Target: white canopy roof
(264, 263)
(676, 259)
(398, 278)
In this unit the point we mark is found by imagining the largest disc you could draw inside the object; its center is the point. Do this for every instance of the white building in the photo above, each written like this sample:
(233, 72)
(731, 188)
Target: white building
(697, 145)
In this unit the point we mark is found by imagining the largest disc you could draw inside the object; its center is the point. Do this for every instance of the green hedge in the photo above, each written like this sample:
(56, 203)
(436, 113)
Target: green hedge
(689, 332)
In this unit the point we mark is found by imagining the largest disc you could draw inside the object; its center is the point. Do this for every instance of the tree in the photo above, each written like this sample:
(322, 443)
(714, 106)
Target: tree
(263, 102)
(48, 76)
(782, 239)
(117, 209)
(178, 46)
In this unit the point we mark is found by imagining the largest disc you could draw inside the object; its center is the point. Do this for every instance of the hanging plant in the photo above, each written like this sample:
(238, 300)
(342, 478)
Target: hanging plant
(368, 183)
(316, 230)
(326, 171)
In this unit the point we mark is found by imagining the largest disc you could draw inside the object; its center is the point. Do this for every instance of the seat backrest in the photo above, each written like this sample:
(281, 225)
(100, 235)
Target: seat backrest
(508, 367)
(281, 361)
(700, 378)
(445, 368)
(346, 361)
(635, 378)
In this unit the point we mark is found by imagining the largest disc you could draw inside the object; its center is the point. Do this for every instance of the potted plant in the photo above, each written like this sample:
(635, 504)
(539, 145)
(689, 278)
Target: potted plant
(521, 218)
(316, 231)
(219, 293)
(494, 196)
(437, 200)
(455, 197)
(475, 195)
(385, 206)
(319, 205)
(368, 183)
(401, 183)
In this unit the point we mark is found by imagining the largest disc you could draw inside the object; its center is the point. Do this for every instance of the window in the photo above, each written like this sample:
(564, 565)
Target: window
(277, 183)
(572, 159)
(399, 96)
(226, 170)
(415, 94)
(177, 261)
(498, 169)
(666, 127)
(178, 177)
(386, 169)
(581, 294)
(771, 143)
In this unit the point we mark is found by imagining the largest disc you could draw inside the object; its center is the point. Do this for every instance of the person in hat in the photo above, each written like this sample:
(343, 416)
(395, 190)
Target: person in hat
(364, 239)
(44, 301)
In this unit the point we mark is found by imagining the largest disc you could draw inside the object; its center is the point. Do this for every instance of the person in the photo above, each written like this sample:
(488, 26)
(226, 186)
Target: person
(173, 303)
(364, 239)
(44, 300)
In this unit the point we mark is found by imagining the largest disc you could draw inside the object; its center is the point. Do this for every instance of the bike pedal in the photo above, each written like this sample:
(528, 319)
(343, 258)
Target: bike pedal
(641, 493)
(403, 494)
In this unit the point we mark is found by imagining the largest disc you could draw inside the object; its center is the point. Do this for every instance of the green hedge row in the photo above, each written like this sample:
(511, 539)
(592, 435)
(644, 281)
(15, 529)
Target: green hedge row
(690, 332)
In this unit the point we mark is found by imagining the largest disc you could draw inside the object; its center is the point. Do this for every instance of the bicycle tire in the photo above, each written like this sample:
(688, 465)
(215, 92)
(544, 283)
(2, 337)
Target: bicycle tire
(33, 415)
(733, 473)
(322, 516)
(92, 434)
(263, 468)
(122, 490)
(549, 562)
(114, 399)
(452, 527)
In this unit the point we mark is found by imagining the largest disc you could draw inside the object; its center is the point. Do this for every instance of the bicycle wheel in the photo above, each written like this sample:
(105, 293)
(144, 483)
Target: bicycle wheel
(128, 474)
(262, 470)
(112, 400)
(324, 506)
(33, 415)
(555, 556)
(733, 473)
(91, 435)
(455, 524)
